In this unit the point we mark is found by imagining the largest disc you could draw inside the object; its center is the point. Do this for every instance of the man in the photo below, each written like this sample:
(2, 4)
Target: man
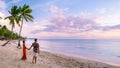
(35, 46)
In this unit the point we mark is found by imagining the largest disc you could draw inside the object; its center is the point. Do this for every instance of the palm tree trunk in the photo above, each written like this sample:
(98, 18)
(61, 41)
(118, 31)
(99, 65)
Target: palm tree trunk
(12, 33)
(9, 39)
(20, 34)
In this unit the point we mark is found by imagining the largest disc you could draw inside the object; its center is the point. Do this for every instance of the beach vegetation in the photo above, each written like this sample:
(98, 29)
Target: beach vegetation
(6, 33)
(13, 18)
(24, 15)
(17, 16)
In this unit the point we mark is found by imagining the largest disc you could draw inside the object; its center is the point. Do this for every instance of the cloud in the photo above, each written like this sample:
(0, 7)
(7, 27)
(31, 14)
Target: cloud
(101, 10)
(44, 5)
(56, 10)
(109, 28)
(109, 20)
(94, 34)
(30, 29)
(85, 14)
(2, 21)
(69, 26)
(62, 25)
(73, 24)
(2, 14)
(3, 5)
(69, 23)
(15, 1)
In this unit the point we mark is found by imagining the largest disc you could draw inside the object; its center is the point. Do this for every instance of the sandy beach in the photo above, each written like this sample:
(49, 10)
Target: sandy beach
(10, 57)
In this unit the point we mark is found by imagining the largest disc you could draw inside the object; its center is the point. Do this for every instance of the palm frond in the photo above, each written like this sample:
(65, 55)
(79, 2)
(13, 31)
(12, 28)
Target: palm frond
(0, 17)
(7, 17)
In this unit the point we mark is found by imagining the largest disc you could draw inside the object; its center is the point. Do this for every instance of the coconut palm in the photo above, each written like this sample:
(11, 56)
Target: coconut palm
(13, 18)
(25, 14)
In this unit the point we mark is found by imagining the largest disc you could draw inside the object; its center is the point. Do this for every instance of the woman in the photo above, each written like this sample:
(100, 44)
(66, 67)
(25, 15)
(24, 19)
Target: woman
(24, 57)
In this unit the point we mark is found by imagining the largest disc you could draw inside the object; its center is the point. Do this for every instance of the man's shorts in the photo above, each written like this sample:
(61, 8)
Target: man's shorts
(35, 54)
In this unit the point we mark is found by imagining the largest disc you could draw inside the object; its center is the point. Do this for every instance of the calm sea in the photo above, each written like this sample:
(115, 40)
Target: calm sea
(102, 50)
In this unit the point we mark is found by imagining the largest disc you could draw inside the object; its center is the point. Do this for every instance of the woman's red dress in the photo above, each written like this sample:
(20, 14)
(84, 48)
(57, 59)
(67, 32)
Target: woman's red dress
(24, 53)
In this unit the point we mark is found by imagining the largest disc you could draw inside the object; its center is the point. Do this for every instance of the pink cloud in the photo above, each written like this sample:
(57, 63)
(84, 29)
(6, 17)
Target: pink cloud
(99, 34)
(56, 10)
(87, 26)
(94, 34)
(69, 26)
(71, 23)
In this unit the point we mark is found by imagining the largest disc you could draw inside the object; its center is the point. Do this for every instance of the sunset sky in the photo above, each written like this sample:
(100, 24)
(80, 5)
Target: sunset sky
(68, 19)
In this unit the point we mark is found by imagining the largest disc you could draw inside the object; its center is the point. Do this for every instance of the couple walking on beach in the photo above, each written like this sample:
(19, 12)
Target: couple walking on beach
(36, 50)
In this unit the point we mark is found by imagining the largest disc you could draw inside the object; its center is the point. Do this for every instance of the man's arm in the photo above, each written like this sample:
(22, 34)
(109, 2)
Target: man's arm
(38, 48)
(30, 47)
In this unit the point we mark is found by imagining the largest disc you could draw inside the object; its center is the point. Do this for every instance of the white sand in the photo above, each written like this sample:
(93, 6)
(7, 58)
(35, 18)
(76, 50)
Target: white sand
(10, 58)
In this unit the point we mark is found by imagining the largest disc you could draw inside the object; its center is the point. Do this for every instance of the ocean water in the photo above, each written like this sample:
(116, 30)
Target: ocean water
(101, 50)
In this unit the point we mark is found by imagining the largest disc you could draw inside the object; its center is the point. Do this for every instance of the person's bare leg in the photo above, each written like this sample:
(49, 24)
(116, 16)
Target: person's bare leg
(32, 59)
(35, 59)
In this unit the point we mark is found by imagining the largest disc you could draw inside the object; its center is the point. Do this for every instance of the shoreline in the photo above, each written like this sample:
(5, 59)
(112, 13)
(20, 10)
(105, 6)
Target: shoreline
(80, 57)
(10, 57)
(77, 56)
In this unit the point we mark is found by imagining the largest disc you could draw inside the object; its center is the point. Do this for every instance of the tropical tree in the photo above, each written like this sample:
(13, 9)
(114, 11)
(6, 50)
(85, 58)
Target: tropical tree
(25, 14)
(13, 18)
(6, 33)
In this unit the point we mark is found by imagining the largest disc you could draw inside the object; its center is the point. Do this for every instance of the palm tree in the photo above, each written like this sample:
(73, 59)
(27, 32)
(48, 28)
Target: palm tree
(25, 14)
(13, 18)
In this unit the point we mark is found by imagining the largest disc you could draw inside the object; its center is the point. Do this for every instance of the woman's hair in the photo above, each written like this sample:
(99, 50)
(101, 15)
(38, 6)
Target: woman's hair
(23, 41)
